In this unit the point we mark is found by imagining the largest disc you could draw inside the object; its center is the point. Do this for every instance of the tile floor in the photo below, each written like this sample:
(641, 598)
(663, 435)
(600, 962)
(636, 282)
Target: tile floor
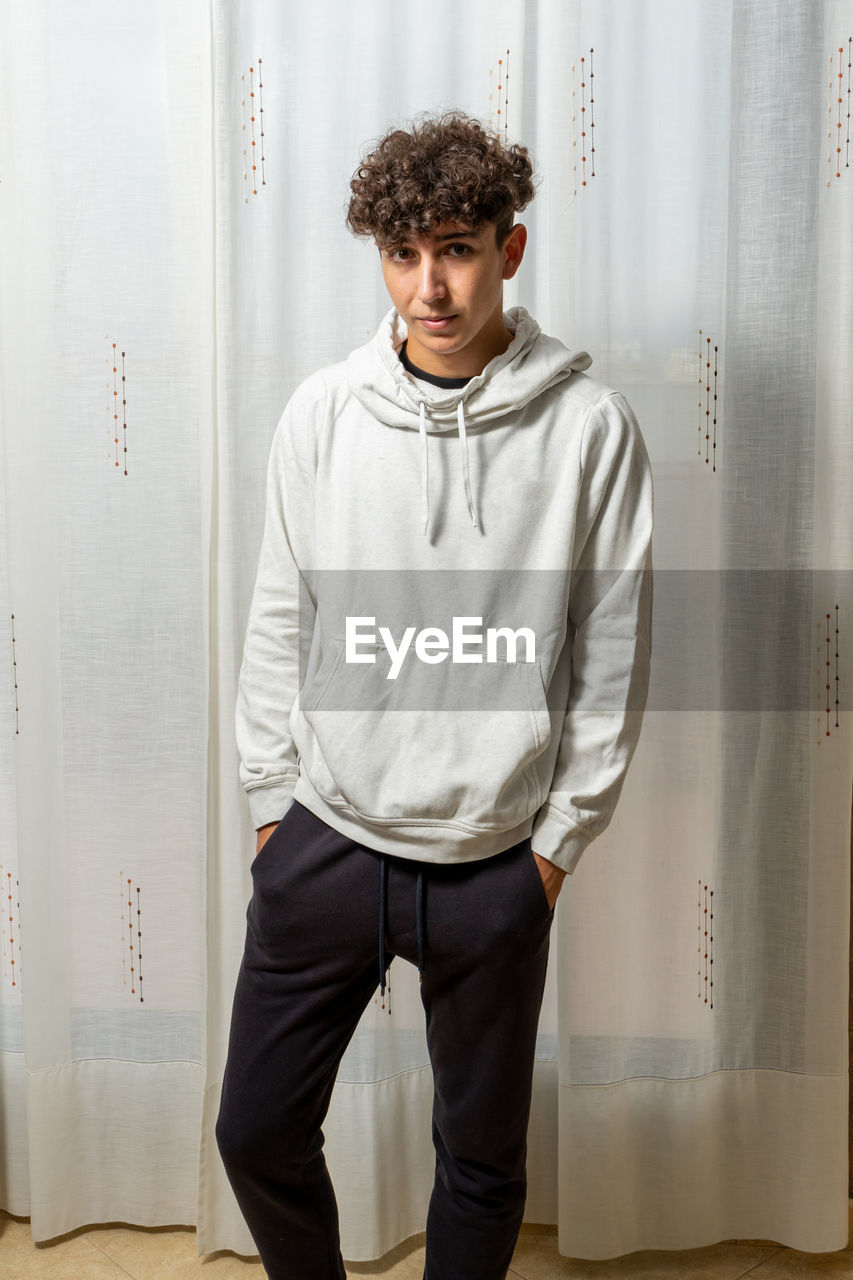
(114, 1252)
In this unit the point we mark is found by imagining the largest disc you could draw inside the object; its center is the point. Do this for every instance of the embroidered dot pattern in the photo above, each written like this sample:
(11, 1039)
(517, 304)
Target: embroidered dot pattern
(828, 676)
(256, 117)
(131, 952)
(839, 120)
(10, 929)
(707, 413)
(113, 407)
(706, 945)
(15, 677)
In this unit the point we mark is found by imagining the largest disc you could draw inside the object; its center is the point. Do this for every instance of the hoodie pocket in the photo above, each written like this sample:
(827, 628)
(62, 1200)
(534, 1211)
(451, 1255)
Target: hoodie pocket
(390, 762)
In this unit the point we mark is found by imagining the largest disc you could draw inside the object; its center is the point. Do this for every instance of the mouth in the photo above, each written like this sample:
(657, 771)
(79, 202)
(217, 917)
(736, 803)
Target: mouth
(436, 322)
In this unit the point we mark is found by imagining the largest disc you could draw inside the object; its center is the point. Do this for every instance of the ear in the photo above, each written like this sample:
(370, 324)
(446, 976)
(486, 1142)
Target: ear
(513, 250)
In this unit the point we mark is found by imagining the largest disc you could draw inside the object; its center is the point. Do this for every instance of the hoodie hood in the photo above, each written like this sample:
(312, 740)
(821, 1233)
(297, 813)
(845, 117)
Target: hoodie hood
(532, 363)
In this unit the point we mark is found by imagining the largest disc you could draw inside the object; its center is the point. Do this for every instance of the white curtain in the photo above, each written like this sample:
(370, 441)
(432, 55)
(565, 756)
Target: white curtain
(173, 182)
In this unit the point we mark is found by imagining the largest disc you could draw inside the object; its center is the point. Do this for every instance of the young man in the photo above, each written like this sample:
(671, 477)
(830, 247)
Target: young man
(413, 797)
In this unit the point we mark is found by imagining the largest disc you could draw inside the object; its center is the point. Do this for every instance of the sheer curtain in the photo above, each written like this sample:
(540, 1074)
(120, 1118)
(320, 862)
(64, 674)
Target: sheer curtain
(173, 183)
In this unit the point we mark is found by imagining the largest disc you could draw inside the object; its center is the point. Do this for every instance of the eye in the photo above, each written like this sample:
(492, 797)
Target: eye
(393, 254)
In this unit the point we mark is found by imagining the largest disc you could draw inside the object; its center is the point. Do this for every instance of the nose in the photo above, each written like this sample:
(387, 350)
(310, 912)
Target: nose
(431, 284)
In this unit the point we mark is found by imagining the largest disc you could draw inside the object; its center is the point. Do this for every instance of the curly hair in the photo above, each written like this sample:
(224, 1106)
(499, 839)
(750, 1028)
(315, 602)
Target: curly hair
(446, 168)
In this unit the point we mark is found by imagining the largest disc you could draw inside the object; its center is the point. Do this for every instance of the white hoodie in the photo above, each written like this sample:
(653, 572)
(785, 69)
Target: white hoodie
(521, 500)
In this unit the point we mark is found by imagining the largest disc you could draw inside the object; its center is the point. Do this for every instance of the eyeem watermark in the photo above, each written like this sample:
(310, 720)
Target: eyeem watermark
(431, 644)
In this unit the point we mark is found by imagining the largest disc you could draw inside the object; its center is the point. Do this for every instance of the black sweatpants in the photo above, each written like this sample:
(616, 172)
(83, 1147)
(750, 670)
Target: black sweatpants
(480, 933)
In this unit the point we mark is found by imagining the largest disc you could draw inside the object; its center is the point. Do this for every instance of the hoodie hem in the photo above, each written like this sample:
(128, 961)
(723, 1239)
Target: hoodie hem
(418, 841)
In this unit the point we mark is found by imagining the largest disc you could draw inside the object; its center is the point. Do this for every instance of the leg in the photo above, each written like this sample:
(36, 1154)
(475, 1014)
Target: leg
(487, 952)
(308, 971)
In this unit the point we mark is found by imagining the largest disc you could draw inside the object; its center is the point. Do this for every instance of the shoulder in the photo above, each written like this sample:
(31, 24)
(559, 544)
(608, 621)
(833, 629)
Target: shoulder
(321, 389)
(600, 410)
(311, 390)
(585, 391)
(306, 417)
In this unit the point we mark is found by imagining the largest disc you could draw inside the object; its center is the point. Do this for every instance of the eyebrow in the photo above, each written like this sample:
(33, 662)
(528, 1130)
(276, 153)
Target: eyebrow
(447, 235)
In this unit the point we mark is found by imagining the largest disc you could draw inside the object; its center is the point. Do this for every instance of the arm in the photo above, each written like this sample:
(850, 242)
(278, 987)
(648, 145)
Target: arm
(610, 614)
(269, 674)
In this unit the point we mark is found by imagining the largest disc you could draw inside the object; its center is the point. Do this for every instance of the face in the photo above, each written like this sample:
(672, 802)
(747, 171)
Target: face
(455, 274)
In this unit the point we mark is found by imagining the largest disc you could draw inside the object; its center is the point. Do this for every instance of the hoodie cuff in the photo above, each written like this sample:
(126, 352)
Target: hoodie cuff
(270, 804)
(552, 838)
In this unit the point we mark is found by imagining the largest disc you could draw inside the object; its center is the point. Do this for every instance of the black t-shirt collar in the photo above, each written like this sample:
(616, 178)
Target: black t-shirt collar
(429, 377)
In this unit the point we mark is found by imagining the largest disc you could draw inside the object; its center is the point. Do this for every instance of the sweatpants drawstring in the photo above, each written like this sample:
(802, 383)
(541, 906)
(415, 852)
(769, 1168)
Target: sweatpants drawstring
(419, 907)
(420, 914)
(383, 966)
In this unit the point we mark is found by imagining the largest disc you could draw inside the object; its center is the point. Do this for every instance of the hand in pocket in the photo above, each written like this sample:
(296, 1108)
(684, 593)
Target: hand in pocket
(264, 834)
(552, 878)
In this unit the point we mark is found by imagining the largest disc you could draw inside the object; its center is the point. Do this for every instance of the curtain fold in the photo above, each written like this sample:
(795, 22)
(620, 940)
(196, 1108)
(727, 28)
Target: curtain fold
(174, 185)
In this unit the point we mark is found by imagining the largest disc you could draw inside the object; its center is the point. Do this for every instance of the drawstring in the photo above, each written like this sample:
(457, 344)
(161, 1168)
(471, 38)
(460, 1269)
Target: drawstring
(463, 445)
(383, 964)
(420, 914)
(383, 900)
(424, 464)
